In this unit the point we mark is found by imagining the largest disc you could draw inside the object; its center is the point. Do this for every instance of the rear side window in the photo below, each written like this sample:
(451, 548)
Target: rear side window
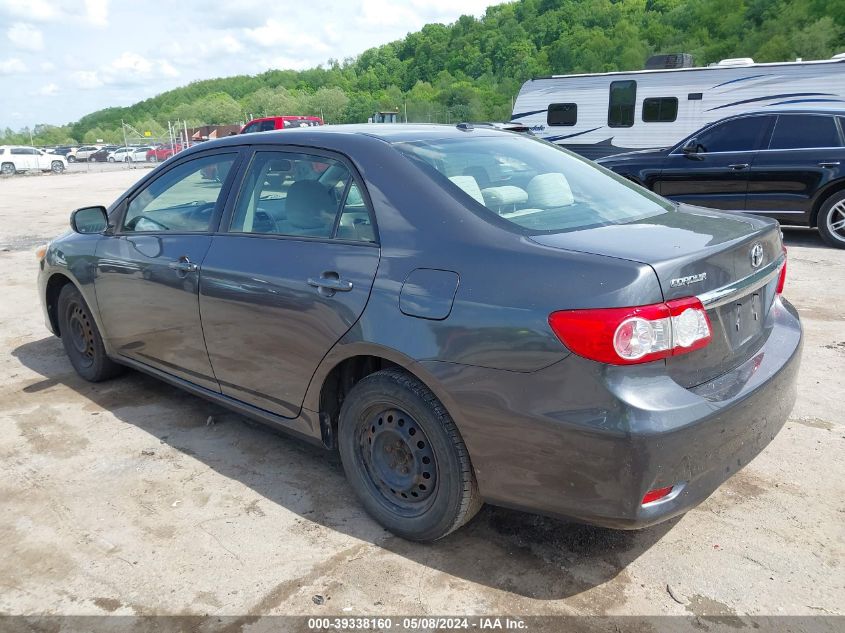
(267, 126)
(794, 131)
(301, 195)
(660, 109)
(562, 114)
(736, 135)
(535, 186)
(623, 98)
(2, 150)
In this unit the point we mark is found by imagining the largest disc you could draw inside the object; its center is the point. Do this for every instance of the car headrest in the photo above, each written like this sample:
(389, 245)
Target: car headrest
(306, 200)
(469, 186)
(549, 190)
(281, 164)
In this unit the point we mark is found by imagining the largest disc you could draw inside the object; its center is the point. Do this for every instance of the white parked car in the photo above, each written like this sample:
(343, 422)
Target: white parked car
(122, 155)
(139, 154)
(15, 158)
(86, 150)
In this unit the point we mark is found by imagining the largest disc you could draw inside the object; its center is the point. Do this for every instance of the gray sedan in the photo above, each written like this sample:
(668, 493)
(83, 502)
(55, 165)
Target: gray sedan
(466, 314)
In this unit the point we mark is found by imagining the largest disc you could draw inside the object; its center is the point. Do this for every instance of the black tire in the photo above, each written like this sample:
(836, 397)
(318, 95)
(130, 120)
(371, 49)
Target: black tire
(404, 457)
(57, 167)
(8, 169)
(81, 338)
(831, 220)
(71, 158)
(111, 159)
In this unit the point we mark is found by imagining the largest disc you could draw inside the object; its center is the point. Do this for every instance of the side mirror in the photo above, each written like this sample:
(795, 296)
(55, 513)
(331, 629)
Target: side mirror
(89, 220)
(691, 146)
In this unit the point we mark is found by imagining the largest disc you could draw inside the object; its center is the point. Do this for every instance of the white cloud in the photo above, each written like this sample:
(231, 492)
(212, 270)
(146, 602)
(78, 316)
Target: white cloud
(276, 34)
(25, 37)
(49, 90)
(47, 66)
(12, 66)
(38, 10)
(94, 12)
(97, 12)
(86, 79)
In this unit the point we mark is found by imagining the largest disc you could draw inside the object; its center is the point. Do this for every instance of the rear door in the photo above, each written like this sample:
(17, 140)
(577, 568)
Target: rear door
(288, 276)
(717, 174)
(804, 154)
(148, 272)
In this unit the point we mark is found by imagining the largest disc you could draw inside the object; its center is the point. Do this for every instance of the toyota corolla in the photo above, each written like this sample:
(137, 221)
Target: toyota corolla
(467, 315)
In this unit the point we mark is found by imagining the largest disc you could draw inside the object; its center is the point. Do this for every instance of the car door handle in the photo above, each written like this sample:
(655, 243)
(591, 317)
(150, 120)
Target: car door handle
(183, 265)
(831, 163)
(739, 166)
(329, 283)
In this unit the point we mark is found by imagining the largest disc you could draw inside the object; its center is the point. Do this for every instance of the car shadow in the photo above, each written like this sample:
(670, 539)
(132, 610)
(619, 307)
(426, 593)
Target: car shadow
(802, 236)
(516, 552)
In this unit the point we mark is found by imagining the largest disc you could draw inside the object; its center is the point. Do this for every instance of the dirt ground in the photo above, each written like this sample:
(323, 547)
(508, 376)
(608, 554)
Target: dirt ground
(131, 497)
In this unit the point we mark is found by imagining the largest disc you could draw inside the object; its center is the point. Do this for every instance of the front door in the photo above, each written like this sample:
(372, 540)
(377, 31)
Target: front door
(148, 272)
(716, 174)
(805, 153)
(288, 279)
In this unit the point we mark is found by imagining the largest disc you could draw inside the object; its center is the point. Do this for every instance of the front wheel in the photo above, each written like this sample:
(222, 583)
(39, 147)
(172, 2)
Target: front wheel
(831, 220)
(57, 167)
(71, 158)
(111, 159)
(404, 457)
(8, 169)
(81, 338)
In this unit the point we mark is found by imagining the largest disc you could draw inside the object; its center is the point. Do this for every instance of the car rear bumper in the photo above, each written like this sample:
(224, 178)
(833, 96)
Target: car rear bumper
(586, 441)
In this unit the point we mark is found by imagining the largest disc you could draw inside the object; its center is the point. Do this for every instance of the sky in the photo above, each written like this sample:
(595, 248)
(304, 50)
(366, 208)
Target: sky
(62, 59)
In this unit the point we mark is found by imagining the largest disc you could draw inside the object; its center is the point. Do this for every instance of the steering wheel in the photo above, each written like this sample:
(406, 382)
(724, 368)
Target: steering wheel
(201, 214)
(132, 225)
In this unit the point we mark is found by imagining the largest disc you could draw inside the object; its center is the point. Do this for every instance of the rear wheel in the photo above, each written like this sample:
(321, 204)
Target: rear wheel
(831, 220)
(111, 159)
(8, 169)
(404, 457)
(71, 158)
(57, 167)
(81, 338)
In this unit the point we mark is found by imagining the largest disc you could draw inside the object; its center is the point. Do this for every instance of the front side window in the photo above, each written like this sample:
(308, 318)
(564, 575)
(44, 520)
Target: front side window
(660, 109)
(562, 114)
(736, 135)
(300, 195)
(533, 185)
(795, 131)
(623, 98)
(266, 126)
(183, 199)
(249, 129)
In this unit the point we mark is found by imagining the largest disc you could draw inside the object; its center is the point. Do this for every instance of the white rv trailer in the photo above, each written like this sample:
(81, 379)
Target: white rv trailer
(607, 113)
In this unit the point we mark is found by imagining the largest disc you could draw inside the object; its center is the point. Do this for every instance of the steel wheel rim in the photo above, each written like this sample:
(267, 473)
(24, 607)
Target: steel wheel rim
(836, 220)
(81, 333)
(398, 460)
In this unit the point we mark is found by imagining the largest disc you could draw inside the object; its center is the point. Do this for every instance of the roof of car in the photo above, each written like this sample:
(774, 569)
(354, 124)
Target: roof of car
(335, 135)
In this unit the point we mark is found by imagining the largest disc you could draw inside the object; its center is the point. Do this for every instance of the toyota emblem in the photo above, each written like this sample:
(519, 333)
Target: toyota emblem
(756, 255)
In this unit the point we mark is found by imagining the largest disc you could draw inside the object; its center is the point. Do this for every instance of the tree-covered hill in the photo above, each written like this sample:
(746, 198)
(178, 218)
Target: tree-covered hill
(472, 69)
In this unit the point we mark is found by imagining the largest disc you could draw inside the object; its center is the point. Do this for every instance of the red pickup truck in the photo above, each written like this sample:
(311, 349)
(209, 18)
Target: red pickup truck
(163, 152)
(286, 122)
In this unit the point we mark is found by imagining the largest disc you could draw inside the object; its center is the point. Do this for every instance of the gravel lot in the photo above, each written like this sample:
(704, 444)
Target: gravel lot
(131, 497)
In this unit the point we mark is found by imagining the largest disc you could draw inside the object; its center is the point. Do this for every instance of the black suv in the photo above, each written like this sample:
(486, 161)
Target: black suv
(789, 165)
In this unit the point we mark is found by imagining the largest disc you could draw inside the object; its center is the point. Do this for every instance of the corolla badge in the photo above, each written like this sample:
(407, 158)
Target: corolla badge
(757, 255)
(686, 281)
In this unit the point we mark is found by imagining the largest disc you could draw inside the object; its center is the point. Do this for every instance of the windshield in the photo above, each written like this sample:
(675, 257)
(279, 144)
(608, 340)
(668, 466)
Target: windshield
(534, 185)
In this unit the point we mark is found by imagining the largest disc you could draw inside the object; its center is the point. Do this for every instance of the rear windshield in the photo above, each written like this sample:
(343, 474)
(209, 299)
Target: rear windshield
(536, 186)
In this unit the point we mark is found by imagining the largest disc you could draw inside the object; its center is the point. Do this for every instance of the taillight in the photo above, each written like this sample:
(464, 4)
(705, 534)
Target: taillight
(655, 495)
(625, 336)
(782, 276)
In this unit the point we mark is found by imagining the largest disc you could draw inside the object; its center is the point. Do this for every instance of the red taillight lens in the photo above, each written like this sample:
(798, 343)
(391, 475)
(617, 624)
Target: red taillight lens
(625, 336)
(657, 494)
(782, 277)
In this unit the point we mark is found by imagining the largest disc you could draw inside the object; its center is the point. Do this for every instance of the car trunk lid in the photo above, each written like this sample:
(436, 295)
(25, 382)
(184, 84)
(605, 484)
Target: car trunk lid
(729, 261)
